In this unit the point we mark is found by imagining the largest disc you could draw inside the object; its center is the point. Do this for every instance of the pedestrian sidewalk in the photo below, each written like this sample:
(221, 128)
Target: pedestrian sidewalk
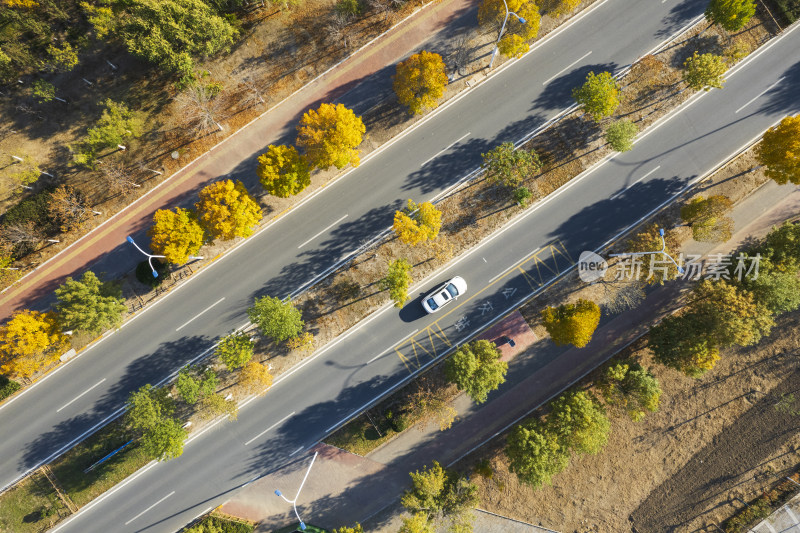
(104, 248)
(345, 488)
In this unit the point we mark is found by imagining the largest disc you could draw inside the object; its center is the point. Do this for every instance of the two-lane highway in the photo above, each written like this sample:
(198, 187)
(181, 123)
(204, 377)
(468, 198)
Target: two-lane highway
(501, 272)
(309, 239)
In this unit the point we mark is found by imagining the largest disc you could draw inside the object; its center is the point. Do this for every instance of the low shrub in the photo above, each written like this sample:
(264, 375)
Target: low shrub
(349, 8)
(32, 209)
(145, 275)
(8, 387)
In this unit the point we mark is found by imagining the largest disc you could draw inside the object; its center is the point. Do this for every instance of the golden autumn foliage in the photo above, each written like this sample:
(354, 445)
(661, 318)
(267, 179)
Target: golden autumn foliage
(572, 323)
(493, 12)
(330, 136)
(29, 341)
(226, 210)
(417, 223)
(779, 151)
(420, 81)
(255, 378)
(175, 234)
(24, 4)
(282, 171)
(512, 45)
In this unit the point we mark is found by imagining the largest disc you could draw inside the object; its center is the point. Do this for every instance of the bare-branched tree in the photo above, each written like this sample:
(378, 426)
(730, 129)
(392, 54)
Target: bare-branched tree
(254, 94)
(381, 7)
(338, 29)
(202, 108)
(18, 233)
(67, 207)
(117, 177)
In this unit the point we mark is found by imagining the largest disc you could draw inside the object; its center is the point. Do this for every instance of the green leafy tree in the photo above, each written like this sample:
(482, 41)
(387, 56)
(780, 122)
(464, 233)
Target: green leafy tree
(226, 210)
(346, 529)
(441, 494)
(417, 223)
(417, 523)
(147, 406)
(63, 58)
(477, 369)
(728, 315)
(116, 125)
(397, 281)
(276, 318)
(706, 217)
(89, 304)
(420, 81)
(168, 33)
(631, 387)
(782, 244)
(620, 135)
(282, 171)
(164, 441)
(704, 71)
(599, 95)
(330, 136)
(572, 323)
(732, 15)
(235, 350)
(176, 234)
(680, 343)
(580, 422)
(510, 167)
(188, 386)
(779, 151)
(777, 286)
(43, 91)
(214, 405)
(535, 454)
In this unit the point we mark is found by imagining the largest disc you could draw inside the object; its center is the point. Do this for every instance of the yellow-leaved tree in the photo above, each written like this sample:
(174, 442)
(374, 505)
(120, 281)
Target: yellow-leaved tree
(282, 171)
(779, 151)
(493, 12)
(226, 210)
(175, 234)
(420, 81)
(417, 223)
(255, 378)
(572, 323)
(330, 135)
(29, 341)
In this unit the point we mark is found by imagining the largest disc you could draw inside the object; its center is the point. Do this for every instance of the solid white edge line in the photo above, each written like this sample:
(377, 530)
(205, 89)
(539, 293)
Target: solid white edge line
(759, 95)
(392, 347)
(198, 315)
(300, 449)
(443, 150)
(321, 232)
(560, 72)
(273, 426)
(150, 508)
(79, 396)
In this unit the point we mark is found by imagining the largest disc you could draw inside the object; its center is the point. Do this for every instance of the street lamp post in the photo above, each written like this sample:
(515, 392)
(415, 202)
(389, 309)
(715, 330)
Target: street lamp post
(502, 29)
(293, 502)
(151, 256)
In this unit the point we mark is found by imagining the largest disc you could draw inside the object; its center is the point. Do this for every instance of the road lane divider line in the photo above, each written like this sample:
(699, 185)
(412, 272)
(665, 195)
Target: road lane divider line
(563, 70)
(198, 315)
(440, 152)
(616, 194)
(150, 508)
(79, 396)
(759, 95)
(393, 346)
(273, 426)
(321, 232)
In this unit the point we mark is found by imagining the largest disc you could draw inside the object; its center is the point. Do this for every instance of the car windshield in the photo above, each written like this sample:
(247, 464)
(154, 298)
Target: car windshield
(452, 290)
(432, 304)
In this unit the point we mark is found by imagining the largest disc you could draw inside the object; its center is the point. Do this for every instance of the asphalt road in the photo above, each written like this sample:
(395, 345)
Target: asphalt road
(279, 427)
(315, 235)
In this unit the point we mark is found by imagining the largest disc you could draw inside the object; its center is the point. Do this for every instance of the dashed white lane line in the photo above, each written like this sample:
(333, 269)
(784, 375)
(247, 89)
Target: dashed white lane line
(632, 184)
(273, 426)
(198, 315)
(440, 152)
(563, 70)
(759, 95)
(393, 345)
(76, 398)
(321, 232)
(149, 508)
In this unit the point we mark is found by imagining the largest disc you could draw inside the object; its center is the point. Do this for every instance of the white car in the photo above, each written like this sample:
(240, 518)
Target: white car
(445, 294)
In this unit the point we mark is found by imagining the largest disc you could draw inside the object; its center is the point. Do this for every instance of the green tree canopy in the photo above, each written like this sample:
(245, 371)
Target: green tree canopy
(89, 304)
(599, 95)
(115, 126)
(235, 350)
(165, 440)
(728, 315)
(168, 33)
(276, 318)
(732, 15)
(572, 323)
(477, 369)
(620, 135)
(704, 71)
(680, 343)
(440, 493)
(782, 244)
(579, 421)
(535, 454)
(777, 286)
(631, 387)
(282, 171)
(397, 281)
(147, 406)
(510, 167)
